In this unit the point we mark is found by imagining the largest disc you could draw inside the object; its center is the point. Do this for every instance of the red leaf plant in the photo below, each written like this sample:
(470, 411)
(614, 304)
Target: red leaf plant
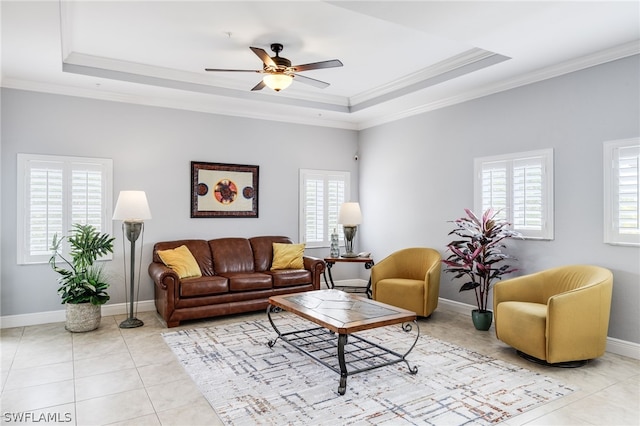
(478, 254)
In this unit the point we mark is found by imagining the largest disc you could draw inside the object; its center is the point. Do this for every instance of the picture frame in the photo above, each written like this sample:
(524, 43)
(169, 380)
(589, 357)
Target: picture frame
(224, 190)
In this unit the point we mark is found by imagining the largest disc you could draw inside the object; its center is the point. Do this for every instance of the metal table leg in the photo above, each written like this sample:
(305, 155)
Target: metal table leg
(321, 345)
(342, 388)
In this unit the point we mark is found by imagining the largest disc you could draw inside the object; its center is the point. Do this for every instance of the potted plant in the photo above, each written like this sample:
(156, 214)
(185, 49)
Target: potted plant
(477, 256)
(83, 284)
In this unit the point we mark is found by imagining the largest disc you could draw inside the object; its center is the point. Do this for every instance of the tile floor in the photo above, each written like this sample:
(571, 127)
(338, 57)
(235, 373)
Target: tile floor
(115, 376)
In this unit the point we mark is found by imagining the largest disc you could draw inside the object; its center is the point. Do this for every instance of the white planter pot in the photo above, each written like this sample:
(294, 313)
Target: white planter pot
(83, 317)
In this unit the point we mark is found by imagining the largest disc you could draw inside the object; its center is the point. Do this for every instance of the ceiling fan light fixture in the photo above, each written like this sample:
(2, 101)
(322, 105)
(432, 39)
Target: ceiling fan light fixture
(277, 81)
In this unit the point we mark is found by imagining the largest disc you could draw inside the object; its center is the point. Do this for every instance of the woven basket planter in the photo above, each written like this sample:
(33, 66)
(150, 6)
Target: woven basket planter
(83, 317)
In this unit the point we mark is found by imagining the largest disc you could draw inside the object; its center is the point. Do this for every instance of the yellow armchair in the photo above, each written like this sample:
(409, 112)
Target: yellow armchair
(557, 315)
(408, 279)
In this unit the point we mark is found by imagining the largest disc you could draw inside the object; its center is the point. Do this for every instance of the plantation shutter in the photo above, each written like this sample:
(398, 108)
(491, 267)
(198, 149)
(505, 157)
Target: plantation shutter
(314, 209)
(627, 190)
(495, 187)
(528, 184)
(622, 176)
(322, 194)
(86, 195)
(336, 196)
(54, 193)
(45, 205)
(520, 186)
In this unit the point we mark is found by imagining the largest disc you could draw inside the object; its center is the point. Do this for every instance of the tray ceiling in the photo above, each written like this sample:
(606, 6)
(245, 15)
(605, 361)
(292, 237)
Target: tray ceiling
(400, 58)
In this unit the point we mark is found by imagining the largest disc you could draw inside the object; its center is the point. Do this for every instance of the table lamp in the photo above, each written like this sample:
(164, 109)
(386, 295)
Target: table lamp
(349, 217)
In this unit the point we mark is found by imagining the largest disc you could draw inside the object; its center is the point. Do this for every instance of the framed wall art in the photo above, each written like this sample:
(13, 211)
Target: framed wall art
(224, 190)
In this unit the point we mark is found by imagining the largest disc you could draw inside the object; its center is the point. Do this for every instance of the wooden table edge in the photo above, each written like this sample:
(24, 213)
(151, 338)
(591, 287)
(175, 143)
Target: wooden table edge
(329, 323)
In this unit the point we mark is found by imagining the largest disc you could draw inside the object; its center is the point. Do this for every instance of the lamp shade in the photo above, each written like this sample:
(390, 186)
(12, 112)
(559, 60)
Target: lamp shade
(350, 214)
(277, 81)
(132, 206)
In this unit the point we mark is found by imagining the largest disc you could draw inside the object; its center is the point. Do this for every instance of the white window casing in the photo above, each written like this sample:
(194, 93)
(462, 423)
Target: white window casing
(621, 192)
(520, 186)
(54, 192)
(322, 192)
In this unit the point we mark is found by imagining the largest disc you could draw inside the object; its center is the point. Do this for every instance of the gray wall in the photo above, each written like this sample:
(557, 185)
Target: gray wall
(151, 150)
(416, 174)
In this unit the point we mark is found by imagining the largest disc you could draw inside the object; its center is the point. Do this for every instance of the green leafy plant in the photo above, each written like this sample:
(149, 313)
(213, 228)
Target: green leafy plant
(82, 281)
(477, 255)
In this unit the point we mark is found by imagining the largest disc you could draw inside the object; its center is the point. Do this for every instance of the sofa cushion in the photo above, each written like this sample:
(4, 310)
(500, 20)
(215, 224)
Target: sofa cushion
(180, 260)
(287, 256)
(231, 255)
(240, 281)
(203, 286)
(290, 277)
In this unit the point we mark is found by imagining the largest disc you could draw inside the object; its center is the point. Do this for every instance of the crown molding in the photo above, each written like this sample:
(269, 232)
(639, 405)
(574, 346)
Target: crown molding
(583, 62)
(604, 56)
(217, 108)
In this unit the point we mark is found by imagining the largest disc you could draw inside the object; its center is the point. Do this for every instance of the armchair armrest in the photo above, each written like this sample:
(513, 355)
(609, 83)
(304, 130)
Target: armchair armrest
(577, 318)
(527, 288)
(386, 268)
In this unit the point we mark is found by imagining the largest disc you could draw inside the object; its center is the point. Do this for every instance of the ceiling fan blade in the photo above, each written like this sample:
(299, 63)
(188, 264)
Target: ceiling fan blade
(333, 63)
(258, 86)
(311, 81)
(225, 70)
(264, 56)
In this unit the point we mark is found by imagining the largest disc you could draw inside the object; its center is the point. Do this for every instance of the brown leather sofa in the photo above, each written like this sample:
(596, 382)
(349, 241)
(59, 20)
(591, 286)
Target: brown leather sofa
(236, 277)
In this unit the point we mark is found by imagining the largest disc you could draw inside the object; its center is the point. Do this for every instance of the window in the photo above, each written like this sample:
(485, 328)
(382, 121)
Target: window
(322, 193)
(520, 186)
(621, 178)
(55, 192)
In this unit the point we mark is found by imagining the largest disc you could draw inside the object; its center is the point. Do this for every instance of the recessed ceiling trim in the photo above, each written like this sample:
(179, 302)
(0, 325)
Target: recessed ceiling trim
(577, 64)
(463, 59)
(464, 68)
(132, 77)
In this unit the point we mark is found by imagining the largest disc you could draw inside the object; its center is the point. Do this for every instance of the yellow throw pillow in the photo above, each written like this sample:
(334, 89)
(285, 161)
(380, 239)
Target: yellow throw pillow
(182, 261)
(287, 256)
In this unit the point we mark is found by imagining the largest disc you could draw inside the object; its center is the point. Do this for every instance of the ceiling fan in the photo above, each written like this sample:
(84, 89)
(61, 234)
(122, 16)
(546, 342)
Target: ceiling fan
(279, 73)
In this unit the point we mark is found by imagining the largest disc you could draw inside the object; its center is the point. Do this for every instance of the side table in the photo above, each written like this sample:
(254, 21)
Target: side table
(330, 261)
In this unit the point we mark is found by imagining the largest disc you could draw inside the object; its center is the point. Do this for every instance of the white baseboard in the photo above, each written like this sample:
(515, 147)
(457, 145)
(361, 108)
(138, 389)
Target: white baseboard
(24, 320)
(623, 347)
(458, 307)
(614, 346)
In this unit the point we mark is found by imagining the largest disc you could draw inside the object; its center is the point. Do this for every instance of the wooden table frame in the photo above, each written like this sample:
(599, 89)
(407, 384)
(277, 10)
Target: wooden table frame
(330, 261)
(335, 311)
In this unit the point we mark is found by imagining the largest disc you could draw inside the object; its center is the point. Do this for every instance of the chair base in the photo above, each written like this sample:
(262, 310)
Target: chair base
(565, 364)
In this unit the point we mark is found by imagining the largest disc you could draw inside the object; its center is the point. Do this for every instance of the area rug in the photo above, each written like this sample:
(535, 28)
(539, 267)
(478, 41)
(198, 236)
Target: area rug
(249, 383)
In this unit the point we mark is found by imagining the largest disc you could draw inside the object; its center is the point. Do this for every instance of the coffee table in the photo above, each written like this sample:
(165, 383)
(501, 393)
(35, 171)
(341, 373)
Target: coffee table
(341, 313)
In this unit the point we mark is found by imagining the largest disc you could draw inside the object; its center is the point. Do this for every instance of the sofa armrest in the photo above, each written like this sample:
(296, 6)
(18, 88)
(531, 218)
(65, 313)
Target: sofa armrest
(316, 266)
(163, 276)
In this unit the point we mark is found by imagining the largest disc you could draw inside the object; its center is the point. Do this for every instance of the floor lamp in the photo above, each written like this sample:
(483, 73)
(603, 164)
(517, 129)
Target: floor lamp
(132, 209)
(349, 217)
